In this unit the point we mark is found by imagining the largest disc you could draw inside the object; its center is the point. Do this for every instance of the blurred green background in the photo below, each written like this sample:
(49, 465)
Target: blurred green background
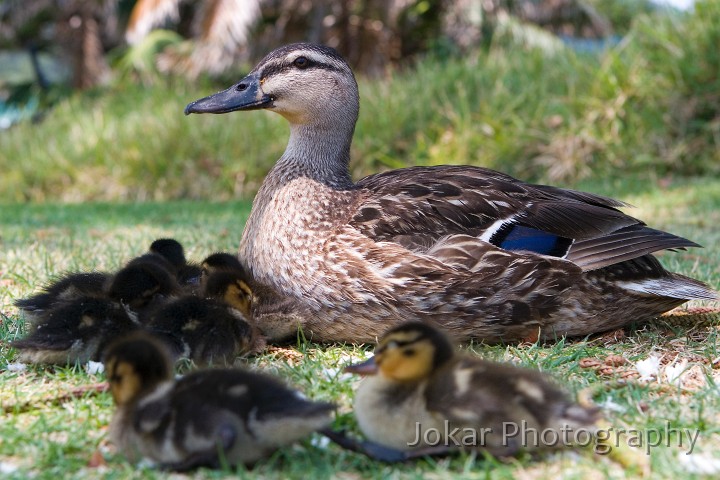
(92, 91)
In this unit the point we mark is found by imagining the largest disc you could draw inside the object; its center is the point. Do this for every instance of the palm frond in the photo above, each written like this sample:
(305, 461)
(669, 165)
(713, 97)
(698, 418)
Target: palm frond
(149, 14)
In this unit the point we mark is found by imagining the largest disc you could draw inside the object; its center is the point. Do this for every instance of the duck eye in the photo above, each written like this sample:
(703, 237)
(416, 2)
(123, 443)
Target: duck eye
(301, 62)
(408, 352)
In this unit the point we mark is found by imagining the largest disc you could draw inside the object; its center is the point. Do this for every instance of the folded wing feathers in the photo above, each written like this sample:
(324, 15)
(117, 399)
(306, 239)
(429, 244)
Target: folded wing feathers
(625, 244)
(419, 207)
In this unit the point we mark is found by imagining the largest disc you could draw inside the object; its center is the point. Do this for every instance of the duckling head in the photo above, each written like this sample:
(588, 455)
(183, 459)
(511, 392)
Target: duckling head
(410, 352)
(303, 82)
(232, 288)
(135, 364)
(171, 250)
(221, 261)
(140, 281)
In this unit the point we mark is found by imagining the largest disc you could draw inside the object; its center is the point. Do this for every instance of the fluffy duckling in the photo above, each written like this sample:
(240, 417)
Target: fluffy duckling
(75, 331)
(232, 287)
(220, 261)
(205, 418)
(420, 397)
(68, 287)
(204, 330)
(278, 317)
(173, 251)
(143, 283)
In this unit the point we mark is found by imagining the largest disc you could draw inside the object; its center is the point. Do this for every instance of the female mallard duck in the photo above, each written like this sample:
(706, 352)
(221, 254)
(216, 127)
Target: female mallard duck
(420, 397)
(205, 418)
(478, 252)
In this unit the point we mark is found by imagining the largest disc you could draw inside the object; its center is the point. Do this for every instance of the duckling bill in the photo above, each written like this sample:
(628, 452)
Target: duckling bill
(419, 397)
(207, 417)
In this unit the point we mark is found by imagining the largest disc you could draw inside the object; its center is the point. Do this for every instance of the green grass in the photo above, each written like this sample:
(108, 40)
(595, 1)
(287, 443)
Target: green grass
(44, 438)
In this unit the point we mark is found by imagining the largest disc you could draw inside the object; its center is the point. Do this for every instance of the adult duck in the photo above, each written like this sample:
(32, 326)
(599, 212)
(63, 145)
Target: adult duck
(478, 252)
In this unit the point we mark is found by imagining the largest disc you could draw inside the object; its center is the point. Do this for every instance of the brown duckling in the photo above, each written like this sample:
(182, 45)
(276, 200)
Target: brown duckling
(143, 283)
(232, 287)
(74, 331)
(277, 317)
(204, 330)
(220, 261)
(420, 397)
(68, 287)
(205, 418)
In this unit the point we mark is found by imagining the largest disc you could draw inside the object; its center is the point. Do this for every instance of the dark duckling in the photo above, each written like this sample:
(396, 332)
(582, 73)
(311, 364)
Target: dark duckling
(173, 251)
(145, 282)
(74, 331)
(68, 287)
(204, 330)
(207, 418)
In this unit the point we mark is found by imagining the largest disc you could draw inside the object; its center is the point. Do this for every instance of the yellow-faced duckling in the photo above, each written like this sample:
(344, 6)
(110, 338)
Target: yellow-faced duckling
(232, 287)
(68, 287)
(204, 330)
(208, 417)
(224, 277)
(420, 397)
(74, 331)
(480, 253)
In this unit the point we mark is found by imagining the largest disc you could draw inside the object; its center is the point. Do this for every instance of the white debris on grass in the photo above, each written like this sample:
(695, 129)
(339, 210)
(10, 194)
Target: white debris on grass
(93, 368)
(7, 468)
(699, 463)
(611, 405)
(320, 441)
(649, 368)
(16, 367)
(673, 372)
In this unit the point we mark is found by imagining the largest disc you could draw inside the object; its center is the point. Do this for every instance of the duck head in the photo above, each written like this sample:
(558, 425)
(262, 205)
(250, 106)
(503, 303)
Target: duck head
(303, 82)
(135, 364)
(408, 353)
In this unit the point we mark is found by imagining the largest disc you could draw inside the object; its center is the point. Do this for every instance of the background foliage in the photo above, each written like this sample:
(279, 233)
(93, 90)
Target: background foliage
(522, 101)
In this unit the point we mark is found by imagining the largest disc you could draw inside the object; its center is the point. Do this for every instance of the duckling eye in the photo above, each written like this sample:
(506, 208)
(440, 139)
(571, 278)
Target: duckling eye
(409, 352)
(301, 62)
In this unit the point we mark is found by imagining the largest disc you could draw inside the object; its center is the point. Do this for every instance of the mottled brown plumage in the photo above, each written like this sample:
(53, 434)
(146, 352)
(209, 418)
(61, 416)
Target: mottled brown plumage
(478, 252)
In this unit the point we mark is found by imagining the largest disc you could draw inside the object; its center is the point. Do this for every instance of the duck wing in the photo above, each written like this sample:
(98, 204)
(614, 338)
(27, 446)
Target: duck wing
(419, 206)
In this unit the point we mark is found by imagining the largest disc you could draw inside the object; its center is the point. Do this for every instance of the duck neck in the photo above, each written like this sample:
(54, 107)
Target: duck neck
(319, 152)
